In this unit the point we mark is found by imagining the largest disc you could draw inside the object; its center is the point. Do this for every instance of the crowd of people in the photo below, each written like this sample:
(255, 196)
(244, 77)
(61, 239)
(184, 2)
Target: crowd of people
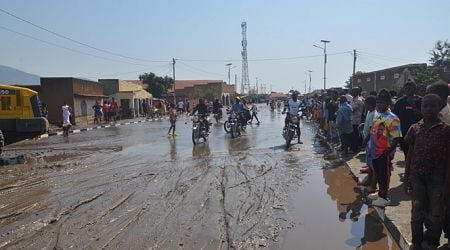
(419, 123)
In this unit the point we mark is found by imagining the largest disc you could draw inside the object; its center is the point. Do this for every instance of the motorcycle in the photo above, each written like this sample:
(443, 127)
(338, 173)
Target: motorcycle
(292, 129)
(234, 124)
(199, 129)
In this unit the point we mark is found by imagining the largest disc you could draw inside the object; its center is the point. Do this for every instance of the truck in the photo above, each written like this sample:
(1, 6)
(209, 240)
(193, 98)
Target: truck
(20, 115)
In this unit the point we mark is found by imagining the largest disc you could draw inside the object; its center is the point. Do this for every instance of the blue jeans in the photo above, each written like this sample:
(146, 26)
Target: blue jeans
(427, 205)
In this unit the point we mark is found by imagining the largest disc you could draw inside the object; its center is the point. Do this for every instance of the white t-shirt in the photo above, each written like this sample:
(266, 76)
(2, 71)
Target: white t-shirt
(66, 115)
(180, 104)
(294, 106)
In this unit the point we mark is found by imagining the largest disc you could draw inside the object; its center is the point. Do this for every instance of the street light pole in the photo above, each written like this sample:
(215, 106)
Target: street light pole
(309, 90)
(324, 62)
(228, 64)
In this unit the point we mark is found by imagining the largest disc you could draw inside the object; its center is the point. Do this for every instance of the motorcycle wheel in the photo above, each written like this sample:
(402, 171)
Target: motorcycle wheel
(234, 131)
(227, 127)
(195, 136)
(288, 137)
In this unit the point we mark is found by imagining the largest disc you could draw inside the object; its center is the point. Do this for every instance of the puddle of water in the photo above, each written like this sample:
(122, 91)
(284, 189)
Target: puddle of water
(339, 221)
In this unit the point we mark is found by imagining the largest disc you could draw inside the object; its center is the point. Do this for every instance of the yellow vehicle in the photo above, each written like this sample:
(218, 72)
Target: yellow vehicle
(20, 115)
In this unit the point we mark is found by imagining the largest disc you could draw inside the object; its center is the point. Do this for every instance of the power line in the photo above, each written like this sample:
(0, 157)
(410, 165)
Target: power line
(130, 72)
(261, 59)
(75, 41)
(66, 48)
(200, 70)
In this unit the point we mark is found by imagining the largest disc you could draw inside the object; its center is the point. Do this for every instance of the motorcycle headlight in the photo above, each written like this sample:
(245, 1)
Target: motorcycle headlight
(294, 119)
(233, 116)
(195, 119)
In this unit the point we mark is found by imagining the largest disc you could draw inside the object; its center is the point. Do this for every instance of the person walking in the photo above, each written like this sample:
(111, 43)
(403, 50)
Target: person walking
(254, 112)
(427, 173)
(113, 109)
(172, 119)
(66, 110)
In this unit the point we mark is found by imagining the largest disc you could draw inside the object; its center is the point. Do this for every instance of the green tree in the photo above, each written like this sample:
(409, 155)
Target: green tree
(426, 75)
(348, 83)
(440, 55)
(158, 86)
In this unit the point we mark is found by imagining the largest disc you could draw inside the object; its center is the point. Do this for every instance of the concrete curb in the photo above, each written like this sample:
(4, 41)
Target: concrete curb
(75, 131)
(398, 237)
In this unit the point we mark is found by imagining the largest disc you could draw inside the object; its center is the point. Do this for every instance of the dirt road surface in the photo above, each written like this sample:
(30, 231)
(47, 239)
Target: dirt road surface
(134, 187)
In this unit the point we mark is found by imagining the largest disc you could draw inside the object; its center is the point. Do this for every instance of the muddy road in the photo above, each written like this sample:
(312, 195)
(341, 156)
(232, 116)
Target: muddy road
(134, 187)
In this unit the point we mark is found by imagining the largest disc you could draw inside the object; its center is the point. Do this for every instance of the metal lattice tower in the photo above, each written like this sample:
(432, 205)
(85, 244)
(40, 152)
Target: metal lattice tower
(245, 84)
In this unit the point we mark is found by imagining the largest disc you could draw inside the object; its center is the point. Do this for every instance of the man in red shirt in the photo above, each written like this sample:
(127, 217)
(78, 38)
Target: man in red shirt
(113, 108)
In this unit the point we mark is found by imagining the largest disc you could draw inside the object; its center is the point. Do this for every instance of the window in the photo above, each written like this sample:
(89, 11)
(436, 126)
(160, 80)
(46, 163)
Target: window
(6, 103)
(359, 80)
(368, 79)
(382, 77)
(396, 75)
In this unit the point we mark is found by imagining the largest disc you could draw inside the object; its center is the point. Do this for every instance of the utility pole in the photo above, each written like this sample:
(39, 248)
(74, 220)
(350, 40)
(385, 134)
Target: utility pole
(256, 85)
(309, 71)
(354, 67)
(305, 86)
(229, 64)
(173, 68)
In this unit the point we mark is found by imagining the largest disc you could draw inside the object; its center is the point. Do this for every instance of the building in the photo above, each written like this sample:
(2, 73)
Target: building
(278, 96)
(129, 94)
(391, 78)
(207, 89)
(79, 94)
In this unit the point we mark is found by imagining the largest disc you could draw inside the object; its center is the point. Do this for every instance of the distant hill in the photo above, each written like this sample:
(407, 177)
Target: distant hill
(14, 76)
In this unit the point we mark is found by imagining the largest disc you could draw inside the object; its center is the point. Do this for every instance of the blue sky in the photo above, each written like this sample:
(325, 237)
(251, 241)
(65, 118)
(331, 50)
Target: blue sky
(205, 35)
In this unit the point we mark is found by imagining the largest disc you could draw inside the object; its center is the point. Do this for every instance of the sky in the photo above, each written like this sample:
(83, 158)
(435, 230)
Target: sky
(123, 39)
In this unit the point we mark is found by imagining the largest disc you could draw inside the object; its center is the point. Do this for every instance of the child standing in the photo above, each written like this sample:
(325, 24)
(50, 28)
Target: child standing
(172, 119)
(384, 137)
(427, 172)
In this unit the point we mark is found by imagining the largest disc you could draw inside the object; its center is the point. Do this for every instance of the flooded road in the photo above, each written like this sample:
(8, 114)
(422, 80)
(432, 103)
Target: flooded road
(134, 187)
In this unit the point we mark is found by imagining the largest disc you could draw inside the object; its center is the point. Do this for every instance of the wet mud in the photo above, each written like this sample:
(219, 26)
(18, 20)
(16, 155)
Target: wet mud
(134, 187)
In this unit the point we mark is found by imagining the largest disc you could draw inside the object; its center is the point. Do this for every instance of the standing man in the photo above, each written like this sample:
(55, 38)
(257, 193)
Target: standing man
(187, 105)
(180, 106)
(113, 107)
(66, 110)
(344, 123)
(357, 110)
(97, 112)
(407, 109)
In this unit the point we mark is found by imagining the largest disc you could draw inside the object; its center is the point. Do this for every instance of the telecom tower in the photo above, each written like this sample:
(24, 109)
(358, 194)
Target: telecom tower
(245, 84)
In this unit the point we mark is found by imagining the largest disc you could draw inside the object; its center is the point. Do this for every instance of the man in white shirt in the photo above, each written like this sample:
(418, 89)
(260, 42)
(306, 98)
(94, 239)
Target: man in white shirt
(180, 106)
(66, 119)
(293, 107)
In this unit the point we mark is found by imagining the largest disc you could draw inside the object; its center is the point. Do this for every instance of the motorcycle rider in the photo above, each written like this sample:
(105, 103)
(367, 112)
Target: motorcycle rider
(238, 108)
(292, 106)
(202, 111)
